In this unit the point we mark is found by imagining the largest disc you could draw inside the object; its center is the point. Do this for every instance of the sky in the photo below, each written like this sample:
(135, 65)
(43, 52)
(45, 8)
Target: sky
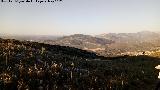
(79, 17)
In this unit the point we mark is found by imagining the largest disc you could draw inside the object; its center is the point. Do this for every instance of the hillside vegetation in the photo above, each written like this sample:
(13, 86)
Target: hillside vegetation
(37, 66)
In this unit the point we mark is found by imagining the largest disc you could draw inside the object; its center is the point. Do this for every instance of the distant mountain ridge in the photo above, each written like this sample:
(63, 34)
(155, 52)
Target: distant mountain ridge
(139, 36)
(112, 44)
(130, 42)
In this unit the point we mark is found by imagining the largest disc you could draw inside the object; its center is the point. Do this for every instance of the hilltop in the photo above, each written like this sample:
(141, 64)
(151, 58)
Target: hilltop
(85, 42)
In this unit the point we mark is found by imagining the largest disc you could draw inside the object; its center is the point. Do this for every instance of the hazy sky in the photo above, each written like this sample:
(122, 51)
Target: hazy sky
(80, 16)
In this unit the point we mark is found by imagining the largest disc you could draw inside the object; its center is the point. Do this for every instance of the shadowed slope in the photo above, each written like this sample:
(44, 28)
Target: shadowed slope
(38, 65)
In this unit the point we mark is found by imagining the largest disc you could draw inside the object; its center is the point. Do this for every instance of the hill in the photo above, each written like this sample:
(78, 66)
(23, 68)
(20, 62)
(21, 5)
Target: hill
(112, 44)
(38, 66)
(85, 42)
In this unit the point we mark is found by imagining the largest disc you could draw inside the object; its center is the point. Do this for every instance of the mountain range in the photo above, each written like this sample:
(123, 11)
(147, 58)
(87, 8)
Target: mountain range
(111, 44)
